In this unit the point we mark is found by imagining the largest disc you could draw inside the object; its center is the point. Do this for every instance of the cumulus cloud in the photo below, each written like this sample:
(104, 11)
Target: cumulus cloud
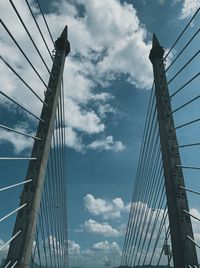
(108, 209)
(189, 8)
(83, 120)
(103, 47)
(107, 144)
(73, 247)
(72, 139)
(88, 253)
(107, 247)
(107, 109)
(103, 229)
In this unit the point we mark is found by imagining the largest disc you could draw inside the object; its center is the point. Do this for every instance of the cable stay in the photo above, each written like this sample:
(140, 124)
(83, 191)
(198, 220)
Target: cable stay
(19, 132)
(185, 104)
(187, 124)
(23, 53)
(10, 240)
(188, 167)
(23, 108)
(191, 239)
(29, 35)
(189, 190)
(19, 158)
(23, 81)
(38, 27)
(187, 145)
(11, 213)
(191, 215)
(14, 185)
(47, 26)
(184, 85)
(181, 34)
(183, 49)
(184, 66)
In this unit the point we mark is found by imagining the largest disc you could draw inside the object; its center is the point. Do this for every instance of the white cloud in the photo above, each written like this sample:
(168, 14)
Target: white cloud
(107, 247)
(73, 247)
(105, 208)
(78, 85)
(88, 253)
(81, 119)
(106, 109)
(72, 140)
(107, 144)
(122, 59)
(103, 229)
(189, 8)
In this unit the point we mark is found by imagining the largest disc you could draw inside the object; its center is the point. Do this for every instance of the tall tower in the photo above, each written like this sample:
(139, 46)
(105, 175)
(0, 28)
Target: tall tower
(184, 251)
(19, 254)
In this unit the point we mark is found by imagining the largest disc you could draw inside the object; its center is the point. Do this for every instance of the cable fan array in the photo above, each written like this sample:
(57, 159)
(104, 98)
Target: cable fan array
(50, 247)
(148, 240)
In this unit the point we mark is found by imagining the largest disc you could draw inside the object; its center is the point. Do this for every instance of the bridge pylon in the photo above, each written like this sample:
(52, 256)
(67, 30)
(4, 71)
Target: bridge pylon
(184, 251)
(20, 249)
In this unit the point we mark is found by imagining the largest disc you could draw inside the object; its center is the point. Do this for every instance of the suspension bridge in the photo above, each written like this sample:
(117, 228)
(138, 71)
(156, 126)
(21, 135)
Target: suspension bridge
(162, 226)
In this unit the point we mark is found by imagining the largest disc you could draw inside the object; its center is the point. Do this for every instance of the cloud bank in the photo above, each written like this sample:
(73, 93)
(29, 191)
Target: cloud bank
(104, 47)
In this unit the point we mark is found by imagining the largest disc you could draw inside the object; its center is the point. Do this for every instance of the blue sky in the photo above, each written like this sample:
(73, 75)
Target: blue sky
(107, 80)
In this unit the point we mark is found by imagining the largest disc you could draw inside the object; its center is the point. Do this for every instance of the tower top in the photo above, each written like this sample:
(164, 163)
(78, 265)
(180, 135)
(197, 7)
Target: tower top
(62, 42)
(155, 41)
(157, 51)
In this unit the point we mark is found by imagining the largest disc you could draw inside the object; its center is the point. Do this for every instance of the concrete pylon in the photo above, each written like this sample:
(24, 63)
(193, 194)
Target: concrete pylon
(183, 249)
